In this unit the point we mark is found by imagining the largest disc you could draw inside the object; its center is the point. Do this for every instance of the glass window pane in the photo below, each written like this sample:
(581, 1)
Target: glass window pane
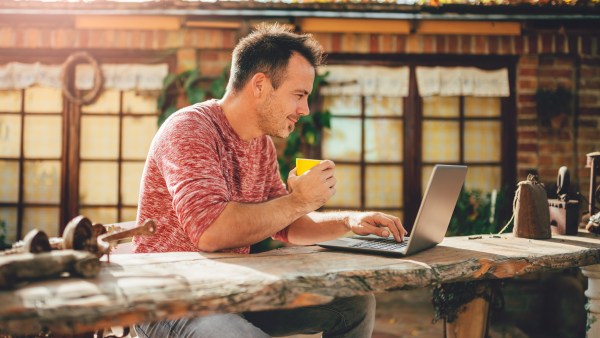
(383, 186)
(482, 106)
(342, 141)
(107, 103)
(384, 140)
(43, 100)
(100, 215)
(9, 189)
(8, 215)
(347, 187)
(43, 136)
(128, 214)
(41, 218)
(10, 136)
(99, 137)
(384, 106)
(10, 101)
(482, 141)
(137, 136)
(135, 102)
(42, 182)
(440, 141)
(130, 184)
(342, 105)
(98, 183)
(441, 106)
(485, 178)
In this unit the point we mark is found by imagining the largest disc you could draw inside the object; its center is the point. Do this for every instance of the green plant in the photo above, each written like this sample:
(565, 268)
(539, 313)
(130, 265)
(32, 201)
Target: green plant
(188, 87)
(473, 213)
(308, 131)
(552, 103)
(4, 244)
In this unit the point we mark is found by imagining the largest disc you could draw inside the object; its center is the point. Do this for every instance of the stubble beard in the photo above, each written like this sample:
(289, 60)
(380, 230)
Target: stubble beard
(269, 120)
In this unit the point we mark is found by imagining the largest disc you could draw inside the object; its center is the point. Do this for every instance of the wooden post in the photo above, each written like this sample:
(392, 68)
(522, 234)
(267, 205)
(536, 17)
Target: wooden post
(472, 321)
(592, 272)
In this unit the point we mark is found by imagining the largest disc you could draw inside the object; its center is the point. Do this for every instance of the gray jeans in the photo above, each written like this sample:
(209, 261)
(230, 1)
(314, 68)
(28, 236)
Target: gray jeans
(344, 318)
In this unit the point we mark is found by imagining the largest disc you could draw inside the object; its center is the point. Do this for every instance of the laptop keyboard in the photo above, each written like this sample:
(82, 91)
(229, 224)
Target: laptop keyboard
(379, 243)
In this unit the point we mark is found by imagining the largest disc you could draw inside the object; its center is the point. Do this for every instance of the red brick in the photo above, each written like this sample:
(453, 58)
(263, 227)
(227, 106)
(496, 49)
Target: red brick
(527, 159)
(527, 122)
(560, 41)
(494, 44)
(547, 43)
(400, 44)
(527, 84)
(453, 44)
(441, 44)
(553, 148)
(586, 45)
(336, 42)
(526, 98)
(546, 160)
(466, 44)
(19, 38)
(527, 71)
(374, 43)
(589, 112)
(428, 44)
(481, 45)
(519, 44)
(528, 134)
(529, 61)
(555, 73)
(528, 147)
(506, 44)
(530, 110)
(590, 84)
(533, 44)
(588, 100)
(573, 43)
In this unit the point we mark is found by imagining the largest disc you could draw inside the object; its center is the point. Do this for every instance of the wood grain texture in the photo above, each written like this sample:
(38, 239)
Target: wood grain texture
(147, 287)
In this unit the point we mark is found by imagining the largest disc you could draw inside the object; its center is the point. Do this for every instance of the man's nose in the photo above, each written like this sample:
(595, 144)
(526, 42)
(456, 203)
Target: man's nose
(303, 109)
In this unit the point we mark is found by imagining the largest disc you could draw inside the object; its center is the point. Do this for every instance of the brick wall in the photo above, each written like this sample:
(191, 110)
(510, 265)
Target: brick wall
(545, 59)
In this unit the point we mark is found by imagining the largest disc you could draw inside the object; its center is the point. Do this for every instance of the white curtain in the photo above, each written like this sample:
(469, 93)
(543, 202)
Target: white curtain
(462, 81)
(17, 75)
(366, 80)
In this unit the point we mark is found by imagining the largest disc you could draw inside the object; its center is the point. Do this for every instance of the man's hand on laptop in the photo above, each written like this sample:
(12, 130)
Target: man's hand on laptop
(376, 223)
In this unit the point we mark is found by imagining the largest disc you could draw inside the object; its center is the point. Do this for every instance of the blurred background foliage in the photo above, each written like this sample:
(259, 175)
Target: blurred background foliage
(477, 212)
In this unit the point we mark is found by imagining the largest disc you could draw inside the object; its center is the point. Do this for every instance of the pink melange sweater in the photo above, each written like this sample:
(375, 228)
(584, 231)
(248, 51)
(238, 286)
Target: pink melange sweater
(196, 165)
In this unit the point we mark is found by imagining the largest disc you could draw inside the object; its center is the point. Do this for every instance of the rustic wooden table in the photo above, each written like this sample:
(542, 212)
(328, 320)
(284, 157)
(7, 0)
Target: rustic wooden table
(145, 287)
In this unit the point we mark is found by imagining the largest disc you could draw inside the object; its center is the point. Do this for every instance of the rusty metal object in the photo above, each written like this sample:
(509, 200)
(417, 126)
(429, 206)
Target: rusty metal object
(105, 240)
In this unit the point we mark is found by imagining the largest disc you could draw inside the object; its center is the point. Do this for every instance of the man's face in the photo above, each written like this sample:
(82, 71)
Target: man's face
(282, 107)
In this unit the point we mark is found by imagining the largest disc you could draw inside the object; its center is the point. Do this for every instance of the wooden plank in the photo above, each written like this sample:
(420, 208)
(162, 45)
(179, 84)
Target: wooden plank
(127, 22)
(147, 287)
(328, 25)
(469, 27)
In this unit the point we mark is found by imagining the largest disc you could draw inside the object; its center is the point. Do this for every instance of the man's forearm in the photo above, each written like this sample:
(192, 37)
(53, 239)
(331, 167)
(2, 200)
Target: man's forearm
(319, 226)
(242, 224)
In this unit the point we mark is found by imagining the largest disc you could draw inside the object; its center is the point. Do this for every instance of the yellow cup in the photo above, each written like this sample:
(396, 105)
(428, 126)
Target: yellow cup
(304, 164)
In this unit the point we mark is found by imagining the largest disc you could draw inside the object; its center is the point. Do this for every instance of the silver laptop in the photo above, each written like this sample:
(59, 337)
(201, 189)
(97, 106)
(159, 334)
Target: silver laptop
(430, 225)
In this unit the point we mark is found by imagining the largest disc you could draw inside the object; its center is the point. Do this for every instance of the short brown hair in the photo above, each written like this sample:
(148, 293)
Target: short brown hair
(268, 50)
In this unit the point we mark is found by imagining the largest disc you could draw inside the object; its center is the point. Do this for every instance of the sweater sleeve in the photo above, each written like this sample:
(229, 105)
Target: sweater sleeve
(189, 161)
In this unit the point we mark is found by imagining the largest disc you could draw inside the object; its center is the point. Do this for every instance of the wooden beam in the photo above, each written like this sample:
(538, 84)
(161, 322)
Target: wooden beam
(322, 25)
(127, 22)
(469, 27)
(214, 24)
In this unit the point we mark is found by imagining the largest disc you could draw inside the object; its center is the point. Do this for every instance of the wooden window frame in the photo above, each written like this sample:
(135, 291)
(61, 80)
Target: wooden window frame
(412, 163)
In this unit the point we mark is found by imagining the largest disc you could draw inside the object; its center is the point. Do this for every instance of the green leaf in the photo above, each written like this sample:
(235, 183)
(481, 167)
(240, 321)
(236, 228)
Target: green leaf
(195, 95)
(168, 112)
(191, 79)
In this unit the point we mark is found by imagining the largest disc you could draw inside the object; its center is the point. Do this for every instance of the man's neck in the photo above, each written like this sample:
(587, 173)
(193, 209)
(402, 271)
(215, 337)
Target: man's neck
(240, 115)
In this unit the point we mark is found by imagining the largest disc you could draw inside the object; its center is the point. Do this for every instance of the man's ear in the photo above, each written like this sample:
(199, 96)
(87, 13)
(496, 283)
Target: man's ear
(259, 83)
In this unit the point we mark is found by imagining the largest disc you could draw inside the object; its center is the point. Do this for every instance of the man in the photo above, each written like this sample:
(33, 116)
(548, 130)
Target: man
(211, 182)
